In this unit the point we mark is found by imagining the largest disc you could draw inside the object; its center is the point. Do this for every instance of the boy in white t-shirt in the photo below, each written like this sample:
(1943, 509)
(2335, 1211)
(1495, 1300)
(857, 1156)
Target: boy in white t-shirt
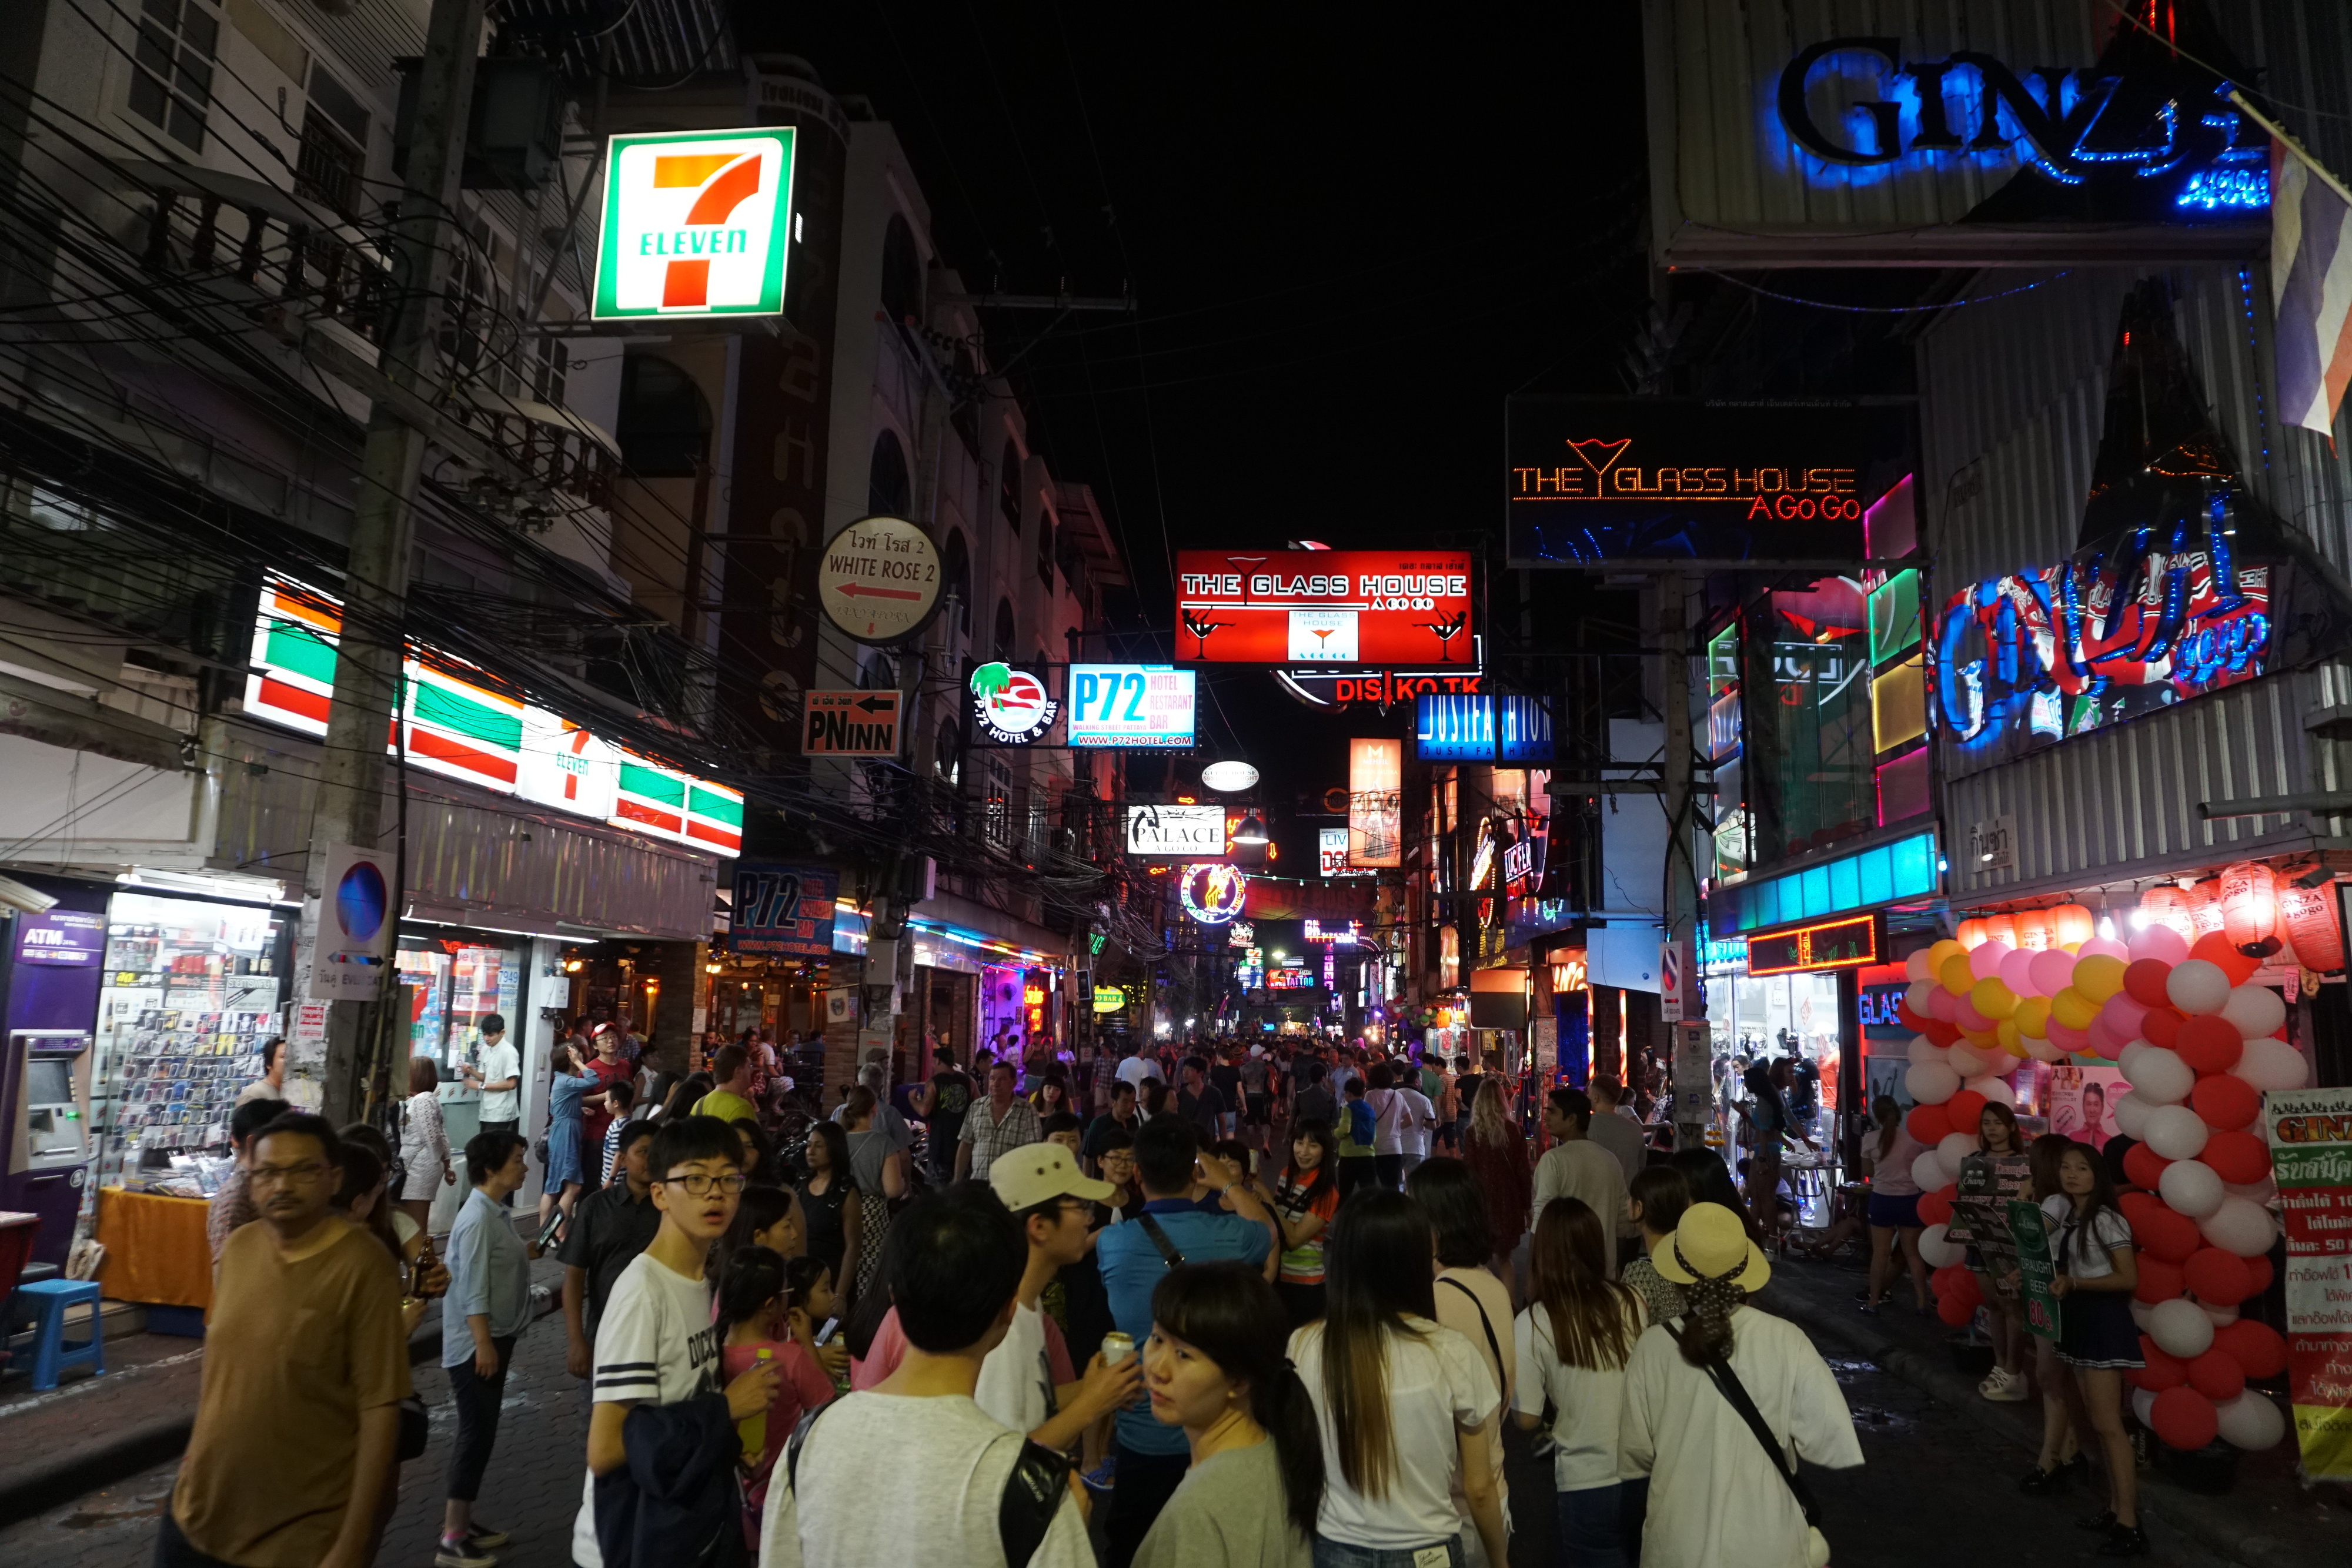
(655, 1343)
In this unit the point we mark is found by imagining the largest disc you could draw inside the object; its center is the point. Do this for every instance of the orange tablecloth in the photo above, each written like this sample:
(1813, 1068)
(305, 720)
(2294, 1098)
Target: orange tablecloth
(155, 1249)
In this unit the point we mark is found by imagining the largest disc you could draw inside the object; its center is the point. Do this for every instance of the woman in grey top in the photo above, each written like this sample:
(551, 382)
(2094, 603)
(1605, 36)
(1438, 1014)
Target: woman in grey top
(1214, 1366)
(878, 1169)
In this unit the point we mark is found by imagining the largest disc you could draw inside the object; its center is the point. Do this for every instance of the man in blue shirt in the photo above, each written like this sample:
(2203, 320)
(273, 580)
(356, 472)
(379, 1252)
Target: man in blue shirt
(489, 1296)
(1134, 1257)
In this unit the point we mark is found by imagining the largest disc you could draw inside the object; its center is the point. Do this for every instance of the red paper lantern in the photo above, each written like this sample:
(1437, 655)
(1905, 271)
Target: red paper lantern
(2217, 948)
(2000, 928)
(2257, 1347)
(2238, 1157)
(1936, 1207)
(1965, 1110)
(2309, 916)
(2158, 1280)
(2249, 899)
(2225, 1102)
(2143, 1166)
(2216, 1376)
(1972, 935)
(2209, 1043)
(2163, 1370)
(2071, 925)
(1930, 1125)
(2184, 1418)
(2165, 1234)
(2032, 929)
(2204, 911)
(2159, 1026)
(2218, 1279)
(2164, 904)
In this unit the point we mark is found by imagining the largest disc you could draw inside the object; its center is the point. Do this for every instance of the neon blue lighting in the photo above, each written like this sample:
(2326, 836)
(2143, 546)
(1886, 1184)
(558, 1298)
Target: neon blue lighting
(1903, 869)
(2226, 188)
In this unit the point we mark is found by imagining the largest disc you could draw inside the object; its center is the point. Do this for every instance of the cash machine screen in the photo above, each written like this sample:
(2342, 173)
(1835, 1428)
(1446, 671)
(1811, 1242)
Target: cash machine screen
(48, 1082)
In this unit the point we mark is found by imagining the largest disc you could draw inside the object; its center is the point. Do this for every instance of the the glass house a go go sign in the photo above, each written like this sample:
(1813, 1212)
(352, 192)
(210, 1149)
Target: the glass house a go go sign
(696, 223)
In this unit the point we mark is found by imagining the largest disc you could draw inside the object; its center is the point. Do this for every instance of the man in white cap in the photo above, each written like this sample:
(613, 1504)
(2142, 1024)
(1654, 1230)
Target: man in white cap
(1025, 1382)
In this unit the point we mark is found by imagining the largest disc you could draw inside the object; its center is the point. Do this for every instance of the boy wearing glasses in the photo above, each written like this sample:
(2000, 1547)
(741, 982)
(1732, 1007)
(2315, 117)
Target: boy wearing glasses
(656, 1343)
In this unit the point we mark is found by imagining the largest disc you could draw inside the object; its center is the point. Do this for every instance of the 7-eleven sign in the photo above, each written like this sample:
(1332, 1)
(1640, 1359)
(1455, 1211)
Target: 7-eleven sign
(696, 223)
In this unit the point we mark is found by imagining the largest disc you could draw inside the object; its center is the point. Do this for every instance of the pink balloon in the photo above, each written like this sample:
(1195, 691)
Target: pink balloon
(1942, 1005)
(2111, 1048)
(1984, 959)
(2098, 946)
(2068, 1039)
(2104, 1039)
(2017, 972)
(1964, 1013)
(2053, 971)
(2161, 943)
(2122, 1016)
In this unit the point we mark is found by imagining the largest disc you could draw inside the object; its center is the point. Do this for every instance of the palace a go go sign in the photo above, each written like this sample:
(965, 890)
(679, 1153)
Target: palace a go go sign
(696, 223)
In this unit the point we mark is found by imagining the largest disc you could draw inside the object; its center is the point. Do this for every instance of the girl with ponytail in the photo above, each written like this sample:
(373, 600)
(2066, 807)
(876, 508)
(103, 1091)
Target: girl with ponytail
(1214, 1366)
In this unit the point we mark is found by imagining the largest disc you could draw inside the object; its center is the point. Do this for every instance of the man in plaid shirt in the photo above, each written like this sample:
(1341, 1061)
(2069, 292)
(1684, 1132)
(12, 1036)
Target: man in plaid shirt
(997, 1125)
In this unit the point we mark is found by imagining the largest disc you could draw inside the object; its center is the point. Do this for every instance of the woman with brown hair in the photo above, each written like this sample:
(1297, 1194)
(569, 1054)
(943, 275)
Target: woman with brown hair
(1496, 1154)
(1574, 1339)
(1997, 1172)
(424, 1142)
(1402, 1401)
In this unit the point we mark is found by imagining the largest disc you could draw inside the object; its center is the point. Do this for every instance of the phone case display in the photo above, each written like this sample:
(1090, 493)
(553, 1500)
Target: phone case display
(190, 998)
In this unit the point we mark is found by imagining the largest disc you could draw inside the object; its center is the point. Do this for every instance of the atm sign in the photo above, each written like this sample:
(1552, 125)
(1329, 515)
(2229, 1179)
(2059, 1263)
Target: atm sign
(696, 223)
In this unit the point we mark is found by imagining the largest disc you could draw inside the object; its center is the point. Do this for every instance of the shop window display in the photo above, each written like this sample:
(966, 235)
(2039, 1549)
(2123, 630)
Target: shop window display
(454, 985)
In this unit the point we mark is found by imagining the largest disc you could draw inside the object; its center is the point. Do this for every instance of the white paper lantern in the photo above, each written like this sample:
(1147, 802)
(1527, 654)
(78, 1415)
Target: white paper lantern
(2250, 1421)
(2191, 1188)
(1936, 1251)
(2159, 1077)
(1923, 1051)
(2179, 1328)
(2175, 1132)
(1929, 1173)
(1993, 1089)
(2198, 986)
(2221, 1316)
(2236, 1224)
(1967, 1061)
(2143, 1405)
(1955, 1148)
(2272, 1064)
(2131, 1113)
(2255, 1010)
(1933, 1083)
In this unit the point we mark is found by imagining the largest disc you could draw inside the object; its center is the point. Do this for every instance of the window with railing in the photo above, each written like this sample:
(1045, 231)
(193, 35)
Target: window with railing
(327, 166)
(996, 802)
(171, 82)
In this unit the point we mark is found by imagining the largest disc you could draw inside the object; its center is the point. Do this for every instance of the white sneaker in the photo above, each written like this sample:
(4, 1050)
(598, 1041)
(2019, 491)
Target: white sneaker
(2004, 1387)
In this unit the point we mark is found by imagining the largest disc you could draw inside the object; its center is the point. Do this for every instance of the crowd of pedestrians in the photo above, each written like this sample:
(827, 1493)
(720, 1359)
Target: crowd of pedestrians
(1038, 1311)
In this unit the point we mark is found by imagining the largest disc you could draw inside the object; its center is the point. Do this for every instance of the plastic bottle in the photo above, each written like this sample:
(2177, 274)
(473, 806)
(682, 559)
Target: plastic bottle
(753, 1429)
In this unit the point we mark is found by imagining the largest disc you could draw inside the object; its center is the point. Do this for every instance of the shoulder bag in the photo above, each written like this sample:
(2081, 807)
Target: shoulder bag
(1024, 1512)
(1484, 1322)
(1817, 1546)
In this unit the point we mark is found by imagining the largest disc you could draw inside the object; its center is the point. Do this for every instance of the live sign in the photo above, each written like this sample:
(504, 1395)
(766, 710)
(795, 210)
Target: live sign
(879, 579)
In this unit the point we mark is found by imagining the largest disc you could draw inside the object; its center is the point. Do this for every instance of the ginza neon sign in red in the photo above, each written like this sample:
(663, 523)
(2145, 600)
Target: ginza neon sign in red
(1793, 493)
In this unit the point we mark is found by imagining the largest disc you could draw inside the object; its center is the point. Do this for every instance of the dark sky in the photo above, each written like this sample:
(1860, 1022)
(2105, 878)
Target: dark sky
(1349, 240)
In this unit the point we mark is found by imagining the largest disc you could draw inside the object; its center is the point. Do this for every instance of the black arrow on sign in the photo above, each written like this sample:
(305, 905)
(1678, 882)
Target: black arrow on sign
(875, 704)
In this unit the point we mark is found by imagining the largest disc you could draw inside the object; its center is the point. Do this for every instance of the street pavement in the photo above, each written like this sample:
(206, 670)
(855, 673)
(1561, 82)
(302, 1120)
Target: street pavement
(1939, 1488)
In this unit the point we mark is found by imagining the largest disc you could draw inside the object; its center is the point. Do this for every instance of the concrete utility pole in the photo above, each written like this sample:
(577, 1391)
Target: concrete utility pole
(1688, 1037)
(349, 808)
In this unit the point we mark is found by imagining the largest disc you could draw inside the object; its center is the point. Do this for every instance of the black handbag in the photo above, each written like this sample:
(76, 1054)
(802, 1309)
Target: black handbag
(415, 1427)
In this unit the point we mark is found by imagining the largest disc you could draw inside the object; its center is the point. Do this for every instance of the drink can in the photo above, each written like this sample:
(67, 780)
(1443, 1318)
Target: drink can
(1117, 1347)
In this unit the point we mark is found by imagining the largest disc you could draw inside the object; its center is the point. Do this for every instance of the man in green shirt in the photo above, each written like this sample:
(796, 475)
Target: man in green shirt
(732, 1100)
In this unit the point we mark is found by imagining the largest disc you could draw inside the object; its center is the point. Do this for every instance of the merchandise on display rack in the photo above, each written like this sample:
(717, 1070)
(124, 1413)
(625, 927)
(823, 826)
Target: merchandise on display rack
(454, 983)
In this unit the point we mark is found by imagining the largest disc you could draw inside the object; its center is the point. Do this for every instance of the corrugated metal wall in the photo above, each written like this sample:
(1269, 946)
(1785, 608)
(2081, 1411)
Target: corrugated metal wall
(471, 864)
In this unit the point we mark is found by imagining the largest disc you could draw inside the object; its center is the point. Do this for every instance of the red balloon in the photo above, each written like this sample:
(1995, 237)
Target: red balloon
(1953, 1312)
(2184, 1418)
(2225, 1101)
(1940, 1031)
(2257, 1347)
(2209, 1044)
(2159, 1026)
(2260, 1273)
(2166, 1235)
(2216, 1376)
(2134, 1203)
(1965, 1110)
(2239, 1158)
(2216, 948)
(2158, 1280)
(2163, 1370)
(1907, 1016)
(2218, 1279)
(2144, 982)
(1956, 1283)
(1936, 1207)
(1929, 1125)
(2143, 1166)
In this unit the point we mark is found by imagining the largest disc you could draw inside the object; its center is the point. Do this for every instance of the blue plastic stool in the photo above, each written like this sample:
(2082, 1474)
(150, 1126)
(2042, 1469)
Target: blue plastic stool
(51, 1351)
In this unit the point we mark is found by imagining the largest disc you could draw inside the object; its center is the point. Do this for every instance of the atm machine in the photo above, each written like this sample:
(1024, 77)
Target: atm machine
(47, 1076)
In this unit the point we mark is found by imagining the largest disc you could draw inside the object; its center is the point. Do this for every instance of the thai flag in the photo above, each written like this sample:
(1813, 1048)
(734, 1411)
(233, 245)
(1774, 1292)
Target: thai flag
(2311, 280)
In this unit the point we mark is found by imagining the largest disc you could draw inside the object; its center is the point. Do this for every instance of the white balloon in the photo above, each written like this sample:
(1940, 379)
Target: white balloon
(1937, 1252)
(2221, 1316)
(2255, 1010)
(1994, 1091)
(2042, 1050)
(2180, 1328)
(1924, 1050)
(2125, 1057)
(2143, 1405)
(2159, 1077)
(2175, 1132)
(1916, 967)
(1933, 1084)
(1921, 993)
(2131, 1113)
(1929, 1173)
(2272, 1064)
(2198, 986)
(2238, 1225)
(2190, 1188)
(1970, 1062)
(2249, 1421)
(2139, 1310)
(1955, 1147)
(2261, 1192)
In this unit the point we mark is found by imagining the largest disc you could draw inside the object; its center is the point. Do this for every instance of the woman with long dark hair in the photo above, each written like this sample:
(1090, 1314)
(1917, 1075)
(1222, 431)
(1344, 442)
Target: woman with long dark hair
(1654, 1200)
(1893, 1213)
(1470, 1301)
(1403, 1400)
(1497, 1153)
(1716, 1495)
(1574, 1339)
(1711, 1182)
(2062, 1456)
(830, 1209)
(1305, 1199)
(1214, 1366)
(1997, 1172)
(2097, 1270)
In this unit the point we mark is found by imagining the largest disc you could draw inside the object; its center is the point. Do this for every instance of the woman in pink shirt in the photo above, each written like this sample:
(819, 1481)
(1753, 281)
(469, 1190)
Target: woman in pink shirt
(1893, 1209)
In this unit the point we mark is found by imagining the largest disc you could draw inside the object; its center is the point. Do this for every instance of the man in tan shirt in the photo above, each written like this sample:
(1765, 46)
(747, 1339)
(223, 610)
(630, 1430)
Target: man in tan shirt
(305, 1368)
(1576, 1166)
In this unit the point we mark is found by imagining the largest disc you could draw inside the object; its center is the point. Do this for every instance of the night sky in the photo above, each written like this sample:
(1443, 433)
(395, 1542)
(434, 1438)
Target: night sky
(1348, 241)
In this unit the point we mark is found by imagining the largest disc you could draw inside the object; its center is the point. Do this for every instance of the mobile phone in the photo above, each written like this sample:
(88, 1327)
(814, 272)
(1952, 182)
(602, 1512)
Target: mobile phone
(547, 1232)
(832, 1326)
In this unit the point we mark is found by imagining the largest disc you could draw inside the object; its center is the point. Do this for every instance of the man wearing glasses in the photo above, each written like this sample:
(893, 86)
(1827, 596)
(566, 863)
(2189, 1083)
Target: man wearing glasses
(305, 1368)
(656, 1343)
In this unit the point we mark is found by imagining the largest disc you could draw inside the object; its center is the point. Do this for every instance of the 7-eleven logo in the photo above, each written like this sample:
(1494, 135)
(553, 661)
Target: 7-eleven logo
(696, 223)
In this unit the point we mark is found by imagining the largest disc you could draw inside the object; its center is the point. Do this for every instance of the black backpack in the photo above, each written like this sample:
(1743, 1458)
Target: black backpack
(1033, 1491)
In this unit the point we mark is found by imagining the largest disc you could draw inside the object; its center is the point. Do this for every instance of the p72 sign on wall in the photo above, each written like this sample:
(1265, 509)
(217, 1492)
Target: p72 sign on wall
(696, 223)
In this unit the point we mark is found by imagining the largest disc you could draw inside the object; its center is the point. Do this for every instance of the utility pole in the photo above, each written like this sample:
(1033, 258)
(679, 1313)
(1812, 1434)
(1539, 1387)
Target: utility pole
(1689, 1063)
(350, 807)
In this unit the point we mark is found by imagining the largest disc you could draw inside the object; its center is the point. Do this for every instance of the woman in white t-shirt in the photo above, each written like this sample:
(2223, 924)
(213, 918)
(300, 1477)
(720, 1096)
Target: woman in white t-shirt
(1574, 1340)
(2091, 1248)
(1471, 1302)
(1402, 1401)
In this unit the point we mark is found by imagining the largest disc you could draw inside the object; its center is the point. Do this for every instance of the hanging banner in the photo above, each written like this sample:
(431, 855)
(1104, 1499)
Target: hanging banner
(781, 911)
(1375, 802)
(2310, 1133)
(354, 921)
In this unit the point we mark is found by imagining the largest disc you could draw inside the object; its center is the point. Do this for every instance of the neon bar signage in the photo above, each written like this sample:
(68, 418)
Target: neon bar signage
(1349, 607)
(1842, 944)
